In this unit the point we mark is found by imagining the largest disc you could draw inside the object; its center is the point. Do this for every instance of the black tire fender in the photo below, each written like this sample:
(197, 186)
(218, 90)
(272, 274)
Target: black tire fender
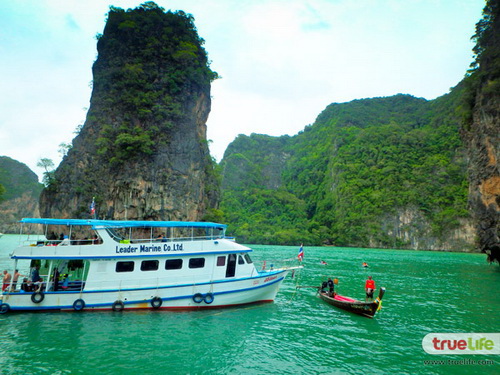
(4, 308)
(209, 298)
(79, 304)
(156, 302)
(37, 297)
(118, 305)
(198, 297)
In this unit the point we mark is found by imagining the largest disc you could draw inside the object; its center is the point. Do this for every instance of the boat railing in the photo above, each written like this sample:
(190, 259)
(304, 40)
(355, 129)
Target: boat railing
(77, 242)
(273, 265)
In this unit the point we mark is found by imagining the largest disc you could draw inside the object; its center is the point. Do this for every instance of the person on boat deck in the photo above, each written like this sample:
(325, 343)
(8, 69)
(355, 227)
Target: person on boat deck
(6, 279)
(65, 283)
(160, 238)
(25, 286)
(16, 277)
(65, 241)
(55, 279)
(369, 288)
(331, 286)
(38, 286)
(35, 274)
(324, 284)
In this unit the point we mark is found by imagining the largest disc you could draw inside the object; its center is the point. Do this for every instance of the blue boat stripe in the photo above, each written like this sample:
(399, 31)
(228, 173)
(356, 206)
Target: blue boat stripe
(142, 255)
(162, 287)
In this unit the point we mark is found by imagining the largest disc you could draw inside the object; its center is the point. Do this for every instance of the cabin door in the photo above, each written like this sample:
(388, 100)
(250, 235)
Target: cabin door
(231, 265)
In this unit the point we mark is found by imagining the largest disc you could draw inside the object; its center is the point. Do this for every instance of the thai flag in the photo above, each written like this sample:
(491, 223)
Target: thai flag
(301, 254)
(92, 207)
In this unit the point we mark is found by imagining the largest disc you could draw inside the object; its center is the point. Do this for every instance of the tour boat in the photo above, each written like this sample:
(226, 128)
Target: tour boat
(115, 265)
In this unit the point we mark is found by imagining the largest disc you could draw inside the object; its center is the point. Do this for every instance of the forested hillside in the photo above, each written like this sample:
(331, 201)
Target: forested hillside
(20, 193)
(385, 172)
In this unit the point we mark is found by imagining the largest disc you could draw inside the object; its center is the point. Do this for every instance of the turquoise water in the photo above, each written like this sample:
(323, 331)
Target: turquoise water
(297, 334)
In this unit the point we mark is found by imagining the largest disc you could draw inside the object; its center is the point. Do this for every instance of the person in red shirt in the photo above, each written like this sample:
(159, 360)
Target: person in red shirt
(369, 288)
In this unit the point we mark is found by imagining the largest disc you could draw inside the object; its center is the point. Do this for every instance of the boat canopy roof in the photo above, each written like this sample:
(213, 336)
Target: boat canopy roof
(96, 224)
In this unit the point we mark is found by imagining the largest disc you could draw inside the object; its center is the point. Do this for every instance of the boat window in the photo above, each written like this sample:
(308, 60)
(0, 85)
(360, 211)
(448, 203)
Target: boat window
(173, 264)
(231, 265)
(125, 266)
(196, 262)
(221, 261)
(248, 259)
(240, 260)
(149, 265)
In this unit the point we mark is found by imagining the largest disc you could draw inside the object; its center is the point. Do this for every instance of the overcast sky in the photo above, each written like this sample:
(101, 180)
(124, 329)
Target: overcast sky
(281, 61)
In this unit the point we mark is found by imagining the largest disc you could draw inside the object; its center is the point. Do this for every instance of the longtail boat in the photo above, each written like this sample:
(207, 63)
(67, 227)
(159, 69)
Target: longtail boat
(368, 309)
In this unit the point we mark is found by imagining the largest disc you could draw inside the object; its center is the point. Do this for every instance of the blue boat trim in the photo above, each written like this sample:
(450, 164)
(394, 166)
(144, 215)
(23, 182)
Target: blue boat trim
(267, 274)
(156, 255)
(94, 223)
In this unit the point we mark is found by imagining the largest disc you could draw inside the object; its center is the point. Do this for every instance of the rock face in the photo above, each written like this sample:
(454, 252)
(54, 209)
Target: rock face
(142, 152)
(484, 177)
(481, 132)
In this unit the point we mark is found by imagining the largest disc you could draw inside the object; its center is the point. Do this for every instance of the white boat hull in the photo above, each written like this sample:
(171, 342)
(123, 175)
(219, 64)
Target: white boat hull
(262, 288)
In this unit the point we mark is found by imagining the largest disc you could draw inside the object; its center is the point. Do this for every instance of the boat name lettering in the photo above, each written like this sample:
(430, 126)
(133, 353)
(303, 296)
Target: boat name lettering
(149, 248)
(270, 278)
(126, 249)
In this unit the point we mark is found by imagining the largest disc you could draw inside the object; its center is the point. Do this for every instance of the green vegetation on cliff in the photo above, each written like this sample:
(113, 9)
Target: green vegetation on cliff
(150, 62)
(17, 179)
(347, 179)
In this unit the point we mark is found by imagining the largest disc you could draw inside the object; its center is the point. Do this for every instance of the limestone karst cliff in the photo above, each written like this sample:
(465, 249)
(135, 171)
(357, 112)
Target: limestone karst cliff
(481, 132)
(142, 152)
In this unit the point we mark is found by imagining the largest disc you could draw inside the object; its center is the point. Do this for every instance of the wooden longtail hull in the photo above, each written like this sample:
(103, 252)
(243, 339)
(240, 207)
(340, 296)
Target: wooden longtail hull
(368, 309)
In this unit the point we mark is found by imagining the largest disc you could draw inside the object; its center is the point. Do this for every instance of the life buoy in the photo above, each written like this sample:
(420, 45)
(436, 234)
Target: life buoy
(156, 302)
(198, 297)
(37, 297)
(4, 308)
(118, 305)
(79, 304)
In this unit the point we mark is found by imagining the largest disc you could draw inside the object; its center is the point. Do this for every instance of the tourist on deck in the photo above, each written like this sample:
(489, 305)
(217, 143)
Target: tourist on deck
(38, 286)
(65, 241)
(6, 280)
(35, 274)
(65, 282)
(26, 286)
(369, 288)
(15, 278)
